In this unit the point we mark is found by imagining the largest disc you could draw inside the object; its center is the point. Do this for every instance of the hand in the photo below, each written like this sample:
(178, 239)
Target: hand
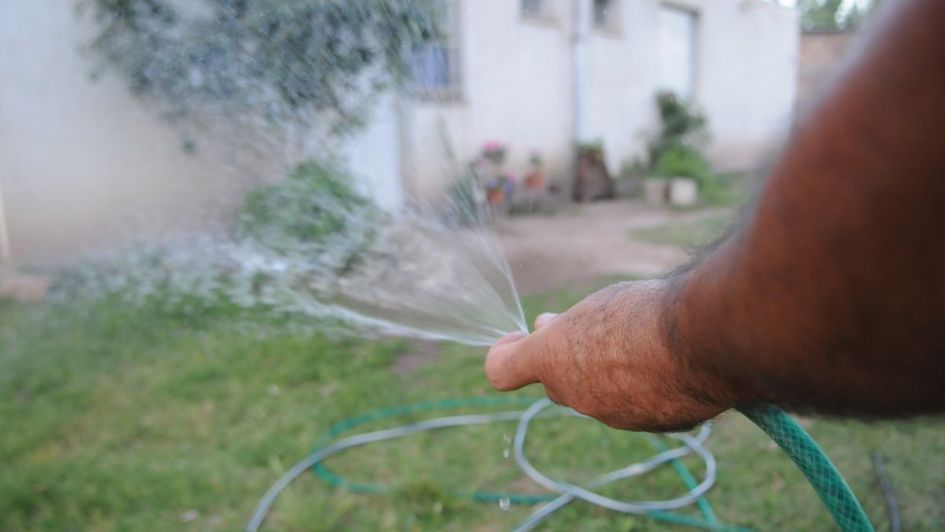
(607, 358)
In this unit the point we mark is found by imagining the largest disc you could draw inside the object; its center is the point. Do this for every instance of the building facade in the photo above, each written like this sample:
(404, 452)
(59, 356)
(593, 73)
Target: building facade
(540, 75)
(84, 164)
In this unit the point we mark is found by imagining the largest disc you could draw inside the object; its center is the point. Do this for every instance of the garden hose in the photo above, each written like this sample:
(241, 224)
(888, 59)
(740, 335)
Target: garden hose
(814, 463)
(797, 444)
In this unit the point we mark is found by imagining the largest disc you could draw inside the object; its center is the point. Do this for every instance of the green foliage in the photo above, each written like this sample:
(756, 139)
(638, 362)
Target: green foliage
(829, 15)
(274, 61)
(680, 125)
(676, 151)
(820, 14)
(679, 160)
(316, 209)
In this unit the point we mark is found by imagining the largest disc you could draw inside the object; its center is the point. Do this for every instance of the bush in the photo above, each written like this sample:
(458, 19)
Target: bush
(314, 224)
(683, 161)
(680, 125)
(316, 209)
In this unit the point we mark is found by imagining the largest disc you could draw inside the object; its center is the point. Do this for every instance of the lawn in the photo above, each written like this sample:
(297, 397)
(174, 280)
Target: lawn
(688, 235)
(120, 418)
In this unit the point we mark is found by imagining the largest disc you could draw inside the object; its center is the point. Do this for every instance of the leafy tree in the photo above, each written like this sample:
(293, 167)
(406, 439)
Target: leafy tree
(820, 14)
(831, 15)
(273, 62)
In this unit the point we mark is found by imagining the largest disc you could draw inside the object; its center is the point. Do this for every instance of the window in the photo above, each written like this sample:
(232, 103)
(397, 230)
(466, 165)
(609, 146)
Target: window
(604, 14)
(533, 9)
(434, 66)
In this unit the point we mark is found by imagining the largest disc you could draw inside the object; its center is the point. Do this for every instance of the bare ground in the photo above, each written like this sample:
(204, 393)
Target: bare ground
(593, 240)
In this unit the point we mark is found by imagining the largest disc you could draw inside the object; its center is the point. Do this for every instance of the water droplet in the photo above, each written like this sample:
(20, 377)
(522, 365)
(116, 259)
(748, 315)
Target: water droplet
(506, 452)
(504, 503)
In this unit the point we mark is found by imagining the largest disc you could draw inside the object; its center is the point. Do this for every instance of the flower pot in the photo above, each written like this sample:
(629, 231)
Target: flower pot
(535, 181)
(495, 196)
(683, 192)
(655, 191)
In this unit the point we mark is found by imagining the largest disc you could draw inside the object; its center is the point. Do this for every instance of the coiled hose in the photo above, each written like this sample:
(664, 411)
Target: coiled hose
(796, 443)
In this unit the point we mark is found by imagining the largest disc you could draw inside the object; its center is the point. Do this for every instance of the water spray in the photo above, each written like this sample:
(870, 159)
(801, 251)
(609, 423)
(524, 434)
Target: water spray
(427, 273)
(477, 305)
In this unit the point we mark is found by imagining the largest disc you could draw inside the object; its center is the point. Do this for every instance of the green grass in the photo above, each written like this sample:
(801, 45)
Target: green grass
(129, 419)
(727, 190)
(687, 235)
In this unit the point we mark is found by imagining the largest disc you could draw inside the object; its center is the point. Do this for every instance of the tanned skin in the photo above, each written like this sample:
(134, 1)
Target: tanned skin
(829, 296)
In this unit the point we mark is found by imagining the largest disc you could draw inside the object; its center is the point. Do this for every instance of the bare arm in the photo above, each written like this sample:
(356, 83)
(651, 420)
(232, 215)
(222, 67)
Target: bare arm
(829, 296)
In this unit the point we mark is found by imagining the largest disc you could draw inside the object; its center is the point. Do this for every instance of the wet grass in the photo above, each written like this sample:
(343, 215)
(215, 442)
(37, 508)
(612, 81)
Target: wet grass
(131, 419)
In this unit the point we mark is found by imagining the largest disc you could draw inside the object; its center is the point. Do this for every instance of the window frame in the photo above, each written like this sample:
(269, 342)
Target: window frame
(611, 26)
(452, 43)
(545, 15)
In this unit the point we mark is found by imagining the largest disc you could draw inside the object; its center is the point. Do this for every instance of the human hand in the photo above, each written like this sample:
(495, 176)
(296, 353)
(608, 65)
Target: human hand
(607, 357)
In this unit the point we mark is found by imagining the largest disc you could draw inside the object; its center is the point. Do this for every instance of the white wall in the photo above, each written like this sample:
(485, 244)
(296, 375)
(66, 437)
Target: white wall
(83, 164)
(747, 76)
(622, 79)
(373, 155)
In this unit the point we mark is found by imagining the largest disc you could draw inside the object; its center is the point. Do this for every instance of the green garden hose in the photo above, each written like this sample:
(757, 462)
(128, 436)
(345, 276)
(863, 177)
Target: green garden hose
(796, 443)
(814, 463)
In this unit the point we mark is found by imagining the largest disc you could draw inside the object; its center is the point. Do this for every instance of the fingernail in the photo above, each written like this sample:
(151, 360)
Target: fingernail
(545, 317)
(511, 337)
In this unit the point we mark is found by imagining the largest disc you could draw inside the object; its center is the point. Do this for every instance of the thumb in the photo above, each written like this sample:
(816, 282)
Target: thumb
(509, 365)
(544, 319)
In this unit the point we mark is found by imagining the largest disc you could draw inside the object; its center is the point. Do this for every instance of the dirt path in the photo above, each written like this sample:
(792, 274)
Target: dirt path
(548, 252)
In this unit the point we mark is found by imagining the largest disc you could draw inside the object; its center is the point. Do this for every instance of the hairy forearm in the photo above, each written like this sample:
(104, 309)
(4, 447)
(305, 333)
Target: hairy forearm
(831, 294)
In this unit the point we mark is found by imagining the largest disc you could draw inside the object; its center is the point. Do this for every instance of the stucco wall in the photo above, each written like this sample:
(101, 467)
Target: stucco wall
(746, 81)
(82, 163)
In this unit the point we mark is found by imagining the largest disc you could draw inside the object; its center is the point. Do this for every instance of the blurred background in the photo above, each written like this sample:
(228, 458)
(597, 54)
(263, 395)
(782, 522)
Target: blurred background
(610, 138)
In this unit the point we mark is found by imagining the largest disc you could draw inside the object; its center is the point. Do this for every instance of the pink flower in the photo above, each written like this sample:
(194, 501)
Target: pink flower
(492, 145)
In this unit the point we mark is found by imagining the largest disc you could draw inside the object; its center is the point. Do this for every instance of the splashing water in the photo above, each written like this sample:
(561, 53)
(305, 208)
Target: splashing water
(307, 245)
(505, 503)
(417, 271)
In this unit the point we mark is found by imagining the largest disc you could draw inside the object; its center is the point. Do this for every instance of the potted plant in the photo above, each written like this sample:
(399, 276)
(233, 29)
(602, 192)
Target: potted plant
(494, 152)
(500, 189)
(655, 190)
(677, 165)
(535, 179)
(682, 169)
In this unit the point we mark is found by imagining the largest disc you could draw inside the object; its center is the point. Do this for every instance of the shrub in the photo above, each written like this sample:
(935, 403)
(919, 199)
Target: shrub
(680, 125)
(316, 209)
(683, 161)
